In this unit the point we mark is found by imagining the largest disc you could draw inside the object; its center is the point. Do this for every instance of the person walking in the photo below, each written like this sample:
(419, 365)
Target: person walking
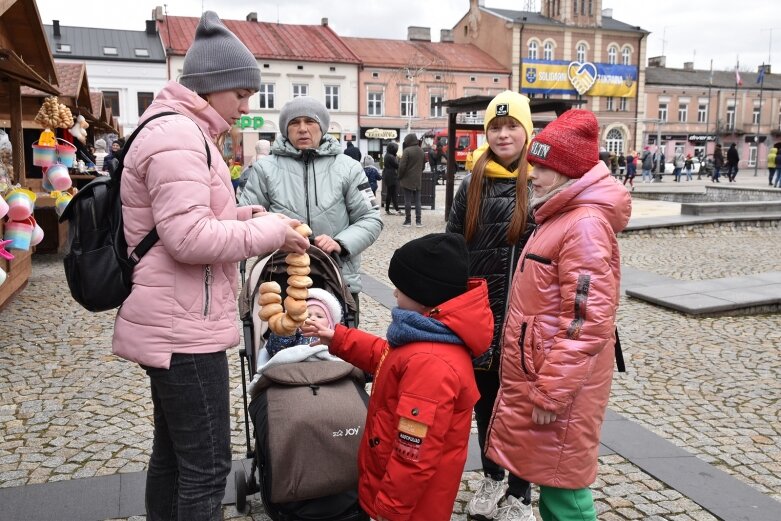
(180, 316)
(559, 335)
(733, 160)
(490, 210)
(410, 175)
(647, 164)
(771, 164)
(351, 150)
(718, 163)
(390, 177)
(631, 169)
(372, 172)
(678, 162)
(688, 164)
(621, 165)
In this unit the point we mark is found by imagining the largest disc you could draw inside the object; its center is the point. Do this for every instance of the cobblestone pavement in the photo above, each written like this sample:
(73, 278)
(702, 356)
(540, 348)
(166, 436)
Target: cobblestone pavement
(70, 409)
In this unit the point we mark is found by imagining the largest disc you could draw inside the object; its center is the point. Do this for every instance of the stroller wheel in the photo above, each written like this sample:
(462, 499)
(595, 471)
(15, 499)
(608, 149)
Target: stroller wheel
(241, 491)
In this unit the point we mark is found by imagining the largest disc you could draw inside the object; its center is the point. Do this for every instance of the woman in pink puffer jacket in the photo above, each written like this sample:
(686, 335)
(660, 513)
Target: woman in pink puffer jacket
(180, 317)
(558, 350)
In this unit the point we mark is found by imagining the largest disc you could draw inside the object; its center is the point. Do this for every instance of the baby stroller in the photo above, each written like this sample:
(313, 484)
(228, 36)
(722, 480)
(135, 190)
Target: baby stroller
(308, 417)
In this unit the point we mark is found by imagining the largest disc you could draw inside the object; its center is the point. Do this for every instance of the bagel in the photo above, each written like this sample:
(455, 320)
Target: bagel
(275, 322)
(289, 323)
(300, 318)
(269, 310)
(298, 270)
(270, 298)
(304, 230)
(297, 259)
(297, 293)
(299, 281)
(270, 287)
(294, 306)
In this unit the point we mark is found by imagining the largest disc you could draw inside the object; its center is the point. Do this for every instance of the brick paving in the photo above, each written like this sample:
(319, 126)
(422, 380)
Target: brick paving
(70, 409)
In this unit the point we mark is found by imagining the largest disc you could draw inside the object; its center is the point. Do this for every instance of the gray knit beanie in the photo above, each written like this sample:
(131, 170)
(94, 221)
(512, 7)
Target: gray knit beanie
(217, 60)
(304, 106)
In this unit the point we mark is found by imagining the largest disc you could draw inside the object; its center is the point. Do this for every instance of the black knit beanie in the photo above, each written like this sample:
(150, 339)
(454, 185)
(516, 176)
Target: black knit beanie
(431, 269)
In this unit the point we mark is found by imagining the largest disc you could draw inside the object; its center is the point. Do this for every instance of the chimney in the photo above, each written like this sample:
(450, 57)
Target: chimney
(657, 61)
(688, 66)
(418, 34)
(446, 35)
(252, 17)
(56, 28)
(608, 12)
(324, 22)
(151, 27)
(157, 13)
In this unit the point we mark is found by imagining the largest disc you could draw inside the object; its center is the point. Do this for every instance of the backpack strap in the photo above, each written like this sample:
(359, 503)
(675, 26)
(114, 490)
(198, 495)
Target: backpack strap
(152, 237)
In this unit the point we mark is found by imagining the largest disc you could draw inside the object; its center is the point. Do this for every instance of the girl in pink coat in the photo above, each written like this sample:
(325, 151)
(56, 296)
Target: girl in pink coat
(180, 317)
(558, 352)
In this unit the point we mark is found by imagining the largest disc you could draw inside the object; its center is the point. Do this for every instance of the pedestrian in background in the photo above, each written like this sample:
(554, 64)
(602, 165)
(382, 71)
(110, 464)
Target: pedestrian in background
(631, 168)
(777, 148)
(414, 447)
(390, 177)
(491, 211)
(647, 162)
(688, 164)
(718, 163)
(771, 164)
(180, 317)
(678, 162)
(733, 160)
(352, 151)
(621, 165)
(558, 351)
(410, 174)
(371, 171)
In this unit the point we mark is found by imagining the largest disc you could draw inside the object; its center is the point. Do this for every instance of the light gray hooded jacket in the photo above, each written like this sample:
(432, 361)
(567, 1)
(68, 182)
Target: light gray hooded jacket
(323, 188)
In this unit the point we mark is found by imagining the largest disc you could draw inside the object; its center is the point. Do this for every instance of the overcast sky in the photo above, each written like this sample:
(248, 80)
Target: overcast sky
(693, 30)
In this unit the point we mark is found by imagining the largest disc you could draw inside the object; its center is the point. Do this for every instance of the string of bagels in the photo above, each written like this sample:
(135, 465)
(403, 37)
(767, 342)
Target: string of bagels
(285, 319)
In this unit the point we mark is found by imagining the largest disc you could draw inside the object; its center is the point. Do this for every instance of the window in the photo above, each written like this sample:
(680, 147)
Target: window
(63, 47)
(731, 117)
(436, 111)
(752, 154)
(702, 113)
(143, 53)
(496, 80)
(407, 108)
(755, 115)
(663, 111)
(375, 75)
(615, 140)
(609, 103)
(110, 51)
(582, 6)
(532, 50)
(547, 51)
(622, 105)
(590, 7)
(438, 77)
(374, 99)
(266, 96)
(144, 100)
(626, 55)
(683, 110)
(332, 97)
(111, 97)
(581, 50)
(612, 55)
(473, 78)
(300, 89)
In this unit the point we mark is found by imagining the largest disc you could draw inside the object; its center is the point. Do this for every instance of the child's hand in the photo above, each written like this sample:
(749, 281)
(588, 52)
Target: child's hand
(542, 417)
(311, 329)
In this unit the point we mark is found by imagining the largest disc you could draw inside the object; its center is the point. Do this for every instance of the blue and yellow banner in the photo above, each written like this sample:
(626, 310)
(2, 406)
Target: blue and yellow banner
(587, 79)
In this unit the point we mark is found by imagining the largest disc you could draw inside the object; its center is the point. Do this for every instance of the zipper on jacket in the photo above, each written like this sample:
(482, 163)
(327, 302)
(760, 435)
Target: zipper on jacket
(207, 282)
(521, 341)
(306, 187)
(537, 258)
(507, 296)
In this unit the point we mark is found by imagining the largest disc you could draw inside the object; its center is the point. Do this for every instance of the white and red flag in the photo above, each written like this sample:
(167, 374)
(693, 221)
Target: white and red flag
(737, 77)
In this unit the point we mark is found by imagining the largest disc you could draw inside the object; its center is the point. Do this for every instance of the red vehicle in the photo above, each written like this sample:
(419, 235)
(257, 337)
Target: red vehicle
(466, 141)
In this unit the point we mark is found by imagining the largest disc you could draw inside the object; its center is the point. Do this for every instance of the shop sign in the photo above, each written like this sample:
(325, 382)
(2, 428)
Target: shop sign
(584, 78)
(255, 122)
(381, 133)
(702, 137)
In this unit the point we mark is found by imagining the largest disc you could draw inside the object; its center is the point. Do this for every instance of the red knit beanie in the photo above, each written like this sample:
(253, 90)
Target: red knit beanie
(569, 144)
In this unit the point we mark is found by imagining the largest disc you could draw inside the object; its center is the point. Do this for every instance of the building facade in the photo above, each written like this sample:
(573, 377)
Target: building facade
(570, 50)
(402, 82)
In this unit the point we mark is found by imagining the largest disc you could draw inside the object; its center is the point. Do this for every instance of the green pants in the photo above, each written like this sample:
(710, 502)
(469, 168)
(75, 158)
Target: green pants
(559, 504)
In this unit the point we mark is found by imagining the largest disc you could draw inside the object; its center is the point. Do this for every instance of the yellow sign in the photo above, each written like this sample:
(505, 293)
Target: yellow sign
(584, 78)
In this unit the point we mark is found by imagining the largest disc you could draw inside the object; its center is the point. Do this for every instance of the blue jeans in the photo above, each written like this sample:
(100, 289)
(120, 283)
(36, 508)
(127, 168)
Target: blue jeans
(409, 197)
(647, 174)
(191, 452)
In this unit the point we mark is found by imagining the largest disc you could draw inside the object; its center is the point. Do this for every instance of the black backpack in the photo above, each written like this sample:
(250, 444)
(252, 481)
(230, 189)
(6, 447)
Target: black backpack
(97, 267)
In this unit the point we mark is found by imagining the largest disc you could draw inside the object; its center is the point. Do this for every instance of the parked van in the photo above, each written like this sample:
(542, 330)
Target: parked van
(466, 141)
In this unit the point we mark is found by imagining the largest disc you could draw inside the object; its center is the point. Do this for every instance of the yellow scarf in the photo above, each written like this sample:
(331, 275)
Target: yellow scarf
(492, 169)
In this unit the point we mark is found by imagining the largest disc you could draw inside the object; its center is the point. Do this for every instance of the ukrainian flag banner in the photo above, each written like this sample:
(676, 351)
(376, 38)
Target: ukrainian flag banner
(586, 78)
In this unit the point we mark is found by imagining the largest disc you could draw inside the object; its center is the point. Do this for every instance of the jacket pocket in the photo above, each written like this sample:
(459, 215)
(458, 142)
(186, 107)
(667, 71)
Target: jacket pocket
(530, 350)
(380, 441)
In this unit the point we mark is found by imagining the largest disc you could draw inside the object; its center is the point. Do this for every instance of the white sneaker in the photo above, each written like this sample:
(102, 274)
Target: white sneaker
(484, 504)
(513, 509)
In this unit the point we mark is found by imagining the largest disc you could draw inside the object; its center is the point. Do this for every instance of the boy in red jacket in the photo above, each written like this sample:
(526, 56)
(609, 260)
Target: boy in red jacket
(417, 429)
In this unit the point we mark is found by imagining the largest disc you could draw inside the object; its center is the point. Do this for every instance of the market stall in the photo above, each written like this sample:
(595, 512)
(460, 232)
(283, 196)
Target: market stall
(21, 34)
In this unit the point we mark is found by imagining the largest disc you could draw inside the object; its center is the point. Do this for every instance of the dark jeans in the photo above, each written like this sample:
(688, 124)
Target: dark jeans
(391, 197)
(191, 451)
(732, 173)
(409, 197)
(488, 385)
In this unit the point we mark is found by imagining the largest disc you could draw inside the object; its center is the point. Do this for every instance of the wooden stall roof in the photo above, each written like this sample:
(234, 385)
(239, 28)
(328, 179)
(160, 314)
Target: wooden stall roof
(73, 85)
(12, 65)
(21, 31)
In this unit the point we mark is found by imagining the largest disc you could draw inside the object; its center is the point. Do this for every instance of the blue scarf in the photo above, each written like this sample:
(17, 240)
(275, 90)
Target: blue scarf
(408, 326)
